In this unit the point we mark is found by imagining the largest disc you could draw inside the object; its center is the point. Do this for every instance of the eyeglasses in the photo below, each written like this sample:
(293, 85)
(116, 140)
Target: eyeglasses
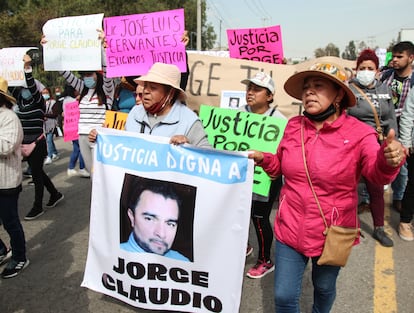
(137, 94)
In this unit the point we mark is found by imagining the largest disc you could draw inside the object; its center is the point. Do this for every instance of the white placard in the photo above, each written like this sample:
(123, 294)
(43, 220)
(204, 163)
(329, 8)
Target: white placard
(72, 43)
(215, 189)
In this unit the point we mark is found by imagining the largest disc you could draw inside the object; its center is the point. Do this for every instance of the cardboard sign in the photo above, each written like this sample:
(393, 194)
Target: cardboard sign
(235, 130)
(11, 65)
(72, 43)
(71, 121)
(256, 44)
(115, 119)
(135, 42)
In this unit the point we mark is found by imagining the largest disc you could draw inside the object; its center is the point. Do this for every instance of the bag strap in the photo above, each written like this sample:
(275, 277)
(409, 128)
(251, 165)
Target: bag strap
(302, 126)
(374, 110)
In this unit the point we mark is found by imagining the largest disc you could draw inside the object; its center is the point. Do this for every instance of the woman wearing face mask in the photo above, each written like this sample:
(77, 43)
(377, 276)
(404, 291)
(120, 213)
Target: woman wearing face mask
(365, 85)
(322, 155)
(51, 115)
(161, 112)
(96, 95)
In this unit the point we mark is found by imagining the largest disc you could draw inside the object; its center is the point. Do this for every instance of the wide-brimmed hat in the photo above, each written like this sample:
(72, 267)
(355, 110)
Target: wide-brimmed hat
(161, 73)
(263, 80)
(330, 71)
(4, 85)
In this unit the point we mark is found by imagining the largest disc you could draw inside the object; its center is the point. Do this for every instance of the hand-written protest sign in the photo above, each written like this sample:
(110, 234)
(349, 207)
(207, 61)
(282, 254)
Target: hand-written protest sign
(115, 119)
(124, 161)
(235, 130)
(72, 43)
(256, 44)
(71, 121)
(135, 42)
(11, 65)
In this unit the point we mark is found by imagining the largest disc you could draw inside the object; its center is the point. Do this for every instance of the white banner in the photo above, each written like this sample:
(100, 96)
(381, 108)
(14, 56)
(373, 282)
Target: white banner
(72, 43)
(11, 65)
(193, 260)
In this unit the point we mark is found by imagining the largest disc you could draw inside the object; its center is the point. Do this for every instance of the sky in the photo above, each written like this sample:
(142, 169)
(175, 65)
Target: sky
(310, 24)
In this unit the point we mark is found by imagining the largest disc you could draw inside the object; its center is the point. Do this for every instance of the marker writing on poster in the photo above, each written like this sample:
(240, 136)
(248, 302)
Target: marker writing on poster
(158, 272)
(239, 126)
(151, 157)
(135, 39)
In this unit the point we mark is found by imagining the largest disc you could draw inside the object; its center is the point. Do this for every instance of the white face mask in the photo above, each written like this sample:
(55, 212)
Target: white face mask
(365, 77)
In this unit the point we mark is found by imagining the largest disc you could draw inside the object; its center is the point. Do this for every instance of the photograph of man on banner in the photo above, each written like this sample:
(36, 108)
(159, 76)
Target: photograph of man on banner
(157, 217)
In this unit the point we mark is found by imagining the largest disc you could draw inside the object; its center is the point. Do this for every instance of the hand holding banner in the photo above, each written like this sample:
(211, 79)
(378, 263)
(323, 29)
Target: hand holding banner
(183, 272)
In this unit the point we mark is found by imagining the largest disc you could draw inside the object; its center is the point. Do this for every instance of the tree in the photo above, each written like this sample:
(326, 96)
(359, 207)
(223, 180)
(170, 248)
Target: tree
(21, 21)
(361, 46)
(350, 51)
(330, 50)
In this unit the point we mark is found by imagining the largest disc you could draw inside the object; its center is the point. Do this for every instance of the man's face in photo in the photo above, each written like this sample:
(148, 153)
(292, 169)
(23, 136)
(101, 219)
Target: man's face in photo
(154, 222)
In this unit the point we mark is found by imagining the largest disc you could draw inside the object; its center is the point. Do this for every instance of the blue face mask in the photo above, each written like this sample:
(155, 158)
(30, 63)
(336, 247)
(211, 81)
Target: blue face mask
(46, 96)
(26, 94)
(89, 82)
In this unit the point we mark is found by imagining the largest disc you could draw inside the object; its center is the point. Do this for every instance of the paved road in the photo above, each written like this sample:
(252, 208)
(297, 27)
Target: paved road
(376, 279)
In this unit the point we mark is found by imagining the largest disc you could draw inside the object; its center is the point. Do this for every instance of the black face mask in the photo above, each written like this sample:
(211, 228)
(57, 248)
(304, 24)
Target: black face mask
(331, 110)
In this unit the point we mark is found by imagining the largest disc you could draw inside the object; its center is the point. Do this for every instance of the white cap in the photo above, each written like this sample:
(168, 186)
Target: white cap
(263, 80)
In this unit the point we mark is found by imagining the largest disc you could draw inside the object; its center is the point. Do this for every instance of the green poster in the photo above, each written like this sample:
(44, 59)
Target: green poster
(235, 130)
(388, 57)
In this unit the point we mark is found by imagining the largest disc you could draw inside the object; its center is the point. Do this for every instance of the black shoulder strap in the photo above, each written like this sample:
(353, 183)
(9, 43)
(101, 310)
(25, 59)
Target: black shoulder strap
(386, 74)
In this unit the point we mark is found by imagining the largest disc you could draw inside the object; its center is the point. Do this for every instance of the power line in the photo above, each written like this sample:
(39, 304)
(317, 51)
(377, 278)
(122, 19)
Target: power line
(216, 12)
(264, 12)
(253, 9)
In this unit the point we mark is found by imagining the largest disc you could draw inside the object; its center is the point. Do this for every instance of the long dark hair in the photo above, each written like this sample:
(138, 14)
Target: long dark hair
(5, 102)
(98, 89)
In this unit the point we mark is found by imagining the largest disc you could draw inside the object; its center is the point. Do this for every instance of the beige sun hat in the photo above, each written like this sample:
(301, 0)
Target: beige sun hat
(330, 71)
(161, 73)
(4, 85)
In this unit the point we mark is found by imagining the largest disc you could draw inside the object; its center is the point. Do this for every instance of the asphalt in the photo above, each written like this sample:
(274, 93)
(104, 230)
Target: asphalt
(57, 244)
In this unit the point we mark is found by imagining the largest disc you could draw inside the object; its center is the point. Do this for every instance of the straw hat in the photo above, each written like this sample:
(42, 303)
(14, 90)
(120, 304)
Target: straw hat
(161, 73)
(330, 71)
(263, 80)
(3, 90)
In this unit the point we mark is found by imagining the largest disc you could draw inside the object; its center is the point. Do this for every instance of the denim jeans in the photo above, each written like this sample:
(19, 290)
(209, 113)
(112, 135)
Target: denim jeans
(51, 148)
(407, 209)
(400, 182)
(11, 222)
(75, 155)
(290, 266)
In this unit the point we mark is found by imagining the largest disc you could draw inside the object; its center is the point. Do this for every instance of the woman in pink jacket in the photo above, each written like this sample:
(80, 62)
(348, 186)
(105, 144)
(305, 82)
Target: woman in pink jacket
(339, 149)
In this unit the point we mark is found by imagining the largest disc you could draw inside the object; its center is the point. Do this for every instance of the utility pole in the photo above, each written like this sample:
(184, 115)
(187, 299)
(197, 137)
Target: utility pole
(220, 36)
(199, 25)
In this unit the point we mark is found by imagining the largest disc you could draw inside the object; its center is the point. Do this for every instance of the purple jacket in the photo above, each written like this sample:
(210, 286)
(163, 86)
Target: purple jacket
(336, 156)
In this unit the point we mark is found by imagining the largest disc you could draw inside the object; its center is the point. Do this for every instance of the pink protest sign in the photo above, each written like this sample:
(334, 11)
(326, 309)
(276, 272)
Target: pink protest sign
(71, 121)
(256, 44)
(135, 42)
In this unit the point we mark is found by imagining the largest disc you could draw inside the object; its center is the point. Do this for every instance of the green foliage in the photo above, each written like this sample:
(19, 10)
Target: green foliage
(350, 51)
(330, 50)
